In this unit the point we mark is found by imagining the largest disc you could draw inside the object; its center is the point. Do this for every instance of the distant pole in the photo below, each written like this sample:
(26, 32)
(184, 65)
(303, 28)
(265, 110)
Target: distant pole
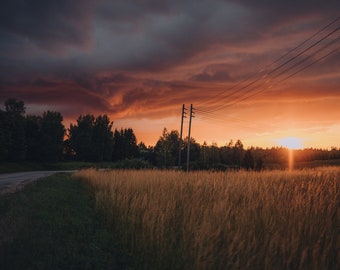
(188, 149)
(180, 138)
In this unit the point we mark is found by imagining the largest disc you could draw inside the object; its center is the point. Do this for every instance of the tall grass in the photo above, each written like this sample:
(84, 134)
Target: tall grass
(215, 220)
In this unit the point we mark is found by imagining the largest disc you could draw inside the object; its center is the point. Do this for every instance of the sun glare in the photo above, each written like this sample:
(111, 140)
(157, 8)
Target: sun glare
(290, 142)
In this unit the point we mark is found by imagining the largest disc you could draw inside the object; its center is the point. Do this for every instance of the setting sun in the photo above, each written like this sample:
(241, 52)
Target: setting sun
(290, 142)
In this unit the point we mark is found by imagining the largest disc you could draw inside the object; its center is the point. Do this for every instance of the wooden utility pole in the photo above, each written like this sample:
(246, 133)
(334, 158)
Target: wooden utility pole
(180, 138)
(188, 149)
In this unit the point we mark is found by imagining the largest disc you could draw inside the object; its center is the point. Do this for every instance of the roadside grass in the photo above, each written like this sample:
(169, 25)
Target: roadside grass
(52, 224)
(8, 167)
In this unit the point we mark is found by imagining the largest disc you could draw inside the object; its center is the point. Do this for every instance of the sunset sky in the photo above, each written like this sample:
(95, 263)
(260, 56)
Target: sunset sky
(258, 71)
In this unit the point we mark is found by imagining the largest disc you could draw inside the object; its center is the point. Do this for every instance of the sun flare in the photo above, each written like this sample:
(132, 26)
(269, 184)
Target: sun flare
(290, 142)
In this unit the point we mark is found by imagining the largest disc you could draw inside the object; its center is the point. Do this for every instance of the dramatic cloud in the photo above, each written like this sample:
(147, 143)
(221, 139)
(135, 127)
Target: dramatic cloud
(137, 59)
(50, 25)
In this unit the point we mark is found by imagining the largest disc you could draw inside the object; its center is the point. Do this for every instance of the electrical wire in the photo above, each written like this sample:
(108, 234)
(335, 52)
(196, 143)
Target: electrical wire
(292, 66)
(215, 105)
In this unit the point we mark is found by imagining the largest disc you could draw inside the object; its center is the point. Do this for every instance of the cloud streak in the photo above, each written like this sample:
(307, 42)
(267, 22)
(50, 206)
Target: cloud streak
(143, 59)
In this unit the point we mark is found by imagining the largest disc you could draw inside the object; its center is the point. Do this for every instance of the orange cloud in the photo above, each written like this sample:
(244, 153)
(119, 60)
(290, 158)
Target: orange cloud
(139, 61)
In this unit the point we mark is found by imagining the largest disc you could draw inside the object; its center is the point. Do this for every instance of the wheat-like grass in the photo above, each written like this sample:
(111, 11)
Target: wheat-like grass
(223, 220)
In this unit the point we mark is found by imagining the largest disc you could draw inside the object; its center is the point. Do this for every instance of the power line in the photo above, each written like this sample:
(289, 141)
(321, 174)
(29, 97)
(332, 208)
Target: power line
(219, 96)
(308, 39)
(225, 120)
(265, 84)
(216, 105)
(307, 53)
(213, 116)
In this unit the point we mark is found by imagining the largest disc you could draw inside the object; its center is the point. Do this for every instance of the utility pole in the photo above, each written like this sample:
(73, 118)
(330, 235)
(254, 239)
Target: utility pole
(180, 138)
(188, 149)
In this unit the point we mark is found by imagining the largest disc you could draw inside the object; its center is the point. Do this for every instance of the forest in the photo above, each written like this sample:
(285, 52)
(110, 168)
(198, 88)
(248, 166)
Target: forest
(44, 138)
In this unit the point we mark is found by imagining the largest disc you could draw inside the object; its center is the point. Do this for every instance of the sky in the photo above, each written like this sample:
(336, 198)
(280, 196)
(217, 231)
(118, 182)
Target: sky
(258, 71)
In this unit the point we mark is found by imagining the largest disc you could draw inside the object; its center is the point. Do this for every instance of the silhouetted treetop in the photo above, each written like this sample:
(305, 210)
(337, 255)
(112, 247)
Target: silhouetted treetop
(15, 107)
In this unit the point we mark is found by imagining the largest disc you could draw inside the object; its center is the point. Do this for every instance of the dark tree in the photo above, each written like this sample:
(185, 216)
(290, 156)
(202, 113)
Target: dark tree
(13, 130)
(45, 137)
(227, 153)
(33, 138)
(102, 138)
(130, 143)
(195, 151)
(125, 145)
(237, 153)
(52, 136)
(167, 148)
(212, 155)
(4, 136)
(118, 148)
(259, 164)
(146, 153)
(248, 160)
(15, 107)
(80, 138)
(174, 144)
(91, 139)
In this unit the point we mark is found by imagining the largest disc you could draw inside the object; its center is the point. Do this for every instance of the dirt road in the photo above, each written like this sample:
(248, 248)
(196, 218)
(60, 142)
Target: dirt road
(10, 182)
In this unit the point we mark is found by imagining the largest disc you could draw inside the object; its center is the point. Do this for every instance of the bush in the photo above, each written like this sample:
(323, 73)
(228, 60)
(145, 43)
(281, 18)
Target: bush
(137, 164)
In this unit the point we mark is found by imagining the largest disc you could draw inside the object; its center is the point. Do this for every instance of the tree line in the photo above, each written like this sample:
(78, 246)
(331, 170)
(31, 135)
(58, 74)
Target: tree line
(44, 138)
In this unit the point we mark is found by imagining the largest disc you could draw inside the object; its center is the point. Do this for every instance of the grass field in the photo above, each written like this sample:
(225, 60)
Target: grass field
(231, 220)
(52, 224)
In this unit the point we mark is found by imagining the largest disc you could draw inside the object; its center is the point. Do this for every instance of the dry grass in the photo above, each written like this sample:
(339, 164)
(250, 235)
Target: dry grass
(233, 220)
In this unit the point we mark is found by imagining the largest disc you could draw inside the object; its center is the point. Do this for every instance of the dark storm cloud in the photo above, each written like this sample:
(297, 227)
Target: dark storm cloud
(142, 34)
(290, 6)
(169, 33)
(51, 25)
(117, 55)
